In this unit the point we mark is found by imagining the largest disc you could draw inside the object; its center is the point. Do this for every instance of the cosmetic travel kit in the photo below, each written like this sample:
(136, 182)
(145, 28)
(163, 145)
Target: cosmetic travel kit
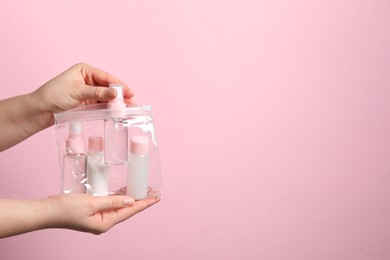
(108, 148)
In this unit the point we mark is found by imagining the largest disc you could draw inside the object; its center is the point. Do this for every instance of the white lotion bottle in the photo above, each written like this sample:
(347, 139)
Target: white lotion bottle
(115, 132)
(138, 167)
(74, 160)
(97, 170)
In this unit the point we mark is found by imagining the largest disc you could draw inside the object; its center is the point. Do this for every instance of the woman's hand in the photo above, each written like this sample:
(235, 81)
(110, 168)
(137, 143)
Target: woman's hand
(93, 214)
(79, 212)
(79, 84)
(25, 115)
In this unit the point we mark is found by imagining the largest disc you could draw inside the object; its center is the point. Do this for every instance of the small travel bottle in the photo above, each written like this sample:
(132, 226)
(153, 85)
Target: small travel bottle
(115, 132)
(74, 161)
(138, 167)
(97, 170)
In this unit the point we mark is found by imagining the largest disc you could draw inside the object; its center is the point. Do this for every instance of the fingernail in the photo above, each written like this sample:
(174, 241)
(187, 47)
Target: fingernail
(128, 201)
(111, 93)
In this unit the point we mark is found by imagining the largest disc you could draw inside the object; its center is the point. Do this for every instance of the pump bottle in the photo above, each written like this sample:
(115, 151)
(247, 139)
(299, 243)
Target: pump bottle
(74, 160)
(115, 132)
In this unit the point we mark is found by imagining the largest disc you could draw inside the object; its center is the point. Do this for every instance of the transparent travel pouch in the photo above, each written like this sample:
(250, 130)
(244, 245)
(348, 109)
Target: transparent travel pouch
(106, 150)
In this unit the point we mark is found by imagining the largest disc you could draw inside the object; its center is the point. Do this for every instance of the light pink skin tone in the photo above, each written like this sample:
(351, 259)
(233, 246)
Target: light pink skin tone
(25, 115)
(79, 212)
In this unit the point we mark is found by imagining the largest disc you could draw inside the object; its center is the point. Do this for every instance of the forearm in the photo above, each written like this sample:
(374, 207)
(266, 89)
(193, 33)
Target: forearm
(21, 117)
(21, 216)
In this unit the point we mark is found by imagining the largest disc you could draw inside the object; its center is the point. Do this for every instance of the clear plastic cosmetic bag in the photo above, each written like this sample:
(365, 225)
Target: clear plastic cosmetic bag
(105, 150)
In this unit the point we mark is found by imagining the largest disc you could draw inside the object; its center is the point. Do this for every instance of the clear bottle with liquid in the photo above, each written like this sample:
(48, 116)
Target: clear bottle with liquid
(74, 161)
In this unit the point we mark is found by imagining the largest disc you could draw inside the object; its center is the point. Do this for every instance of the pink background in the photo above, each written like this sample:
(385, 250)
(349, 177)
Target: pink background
(273, 120)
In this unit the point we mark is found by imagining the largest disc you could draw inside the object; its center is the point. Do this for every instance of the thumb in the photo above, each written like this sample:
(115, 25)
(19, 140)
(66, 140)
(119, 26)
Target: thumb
(97, 93)
(112, 203)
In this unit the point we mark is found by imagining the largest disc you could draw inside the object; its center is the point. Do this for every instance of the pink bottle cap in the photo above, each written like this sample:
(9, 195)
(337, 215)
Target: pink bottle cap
(95, 144)
(139, 145)
(118, 102)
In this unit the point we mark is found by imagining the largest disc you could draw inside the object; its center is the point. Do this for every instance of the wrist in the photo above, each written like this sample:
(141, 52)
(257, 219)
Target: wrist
(41, 117)
(20, 118)
(51, 212)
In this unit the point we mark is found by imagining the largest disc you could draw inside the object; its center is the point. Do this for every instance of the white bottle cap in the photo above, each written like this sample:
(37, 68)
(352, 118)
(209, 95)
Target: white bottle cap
(75, 130)
(75, 141)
